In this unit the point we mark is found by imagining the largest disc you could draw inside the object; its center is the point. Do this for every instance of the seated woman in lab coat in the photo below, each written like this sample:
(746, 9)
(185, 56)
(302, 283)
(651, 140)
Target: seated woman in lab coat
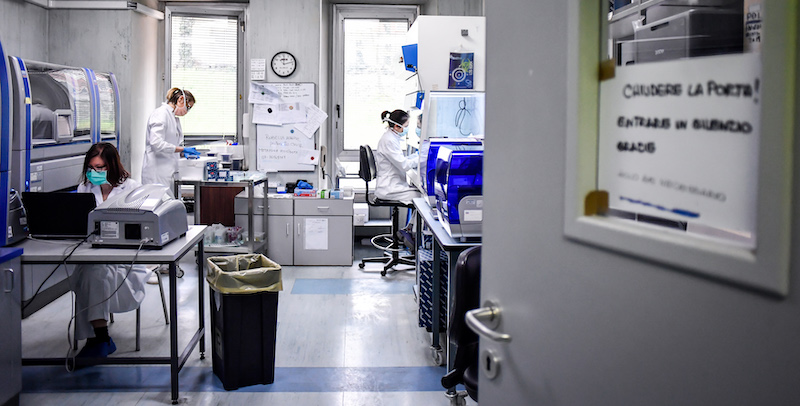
(392, 165)
(108, 288)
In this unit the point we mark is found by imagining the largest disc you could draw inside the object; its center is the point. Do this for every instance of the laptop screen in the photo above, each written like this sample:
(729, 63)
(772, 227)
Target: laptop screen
(58, 214)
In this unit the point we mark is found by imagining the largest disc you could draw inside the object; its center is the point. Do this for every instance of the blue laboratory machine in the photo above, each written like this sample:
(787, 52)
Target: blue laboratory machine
(459, 191)
(428, 153)
(12, 221)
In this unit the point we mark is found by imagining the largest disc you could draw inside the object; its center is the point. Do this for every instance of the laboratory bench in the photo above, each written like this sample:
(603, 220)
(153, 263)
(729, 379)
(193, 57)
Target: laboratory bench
(433, 279)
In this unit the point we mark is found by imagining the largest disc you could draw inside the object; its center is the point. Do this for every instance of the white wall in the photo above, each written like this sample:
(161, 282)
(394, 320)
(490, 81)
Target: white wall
(292, 26)
(144, 94)
(24, 30)
(610, 329)
(122, 42)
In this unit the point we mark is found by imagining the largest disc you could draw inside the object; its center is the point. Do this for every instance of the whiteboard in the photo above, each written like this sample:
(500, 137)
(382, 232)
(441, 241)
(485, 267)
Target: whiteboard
(278, 148)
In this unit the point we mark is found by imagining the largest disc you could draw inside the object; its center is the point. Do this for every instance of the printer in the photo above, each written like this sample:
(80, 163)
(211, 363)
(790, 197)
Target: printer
(702, 31)
(146, 213)
(459, 191)
(427, 160)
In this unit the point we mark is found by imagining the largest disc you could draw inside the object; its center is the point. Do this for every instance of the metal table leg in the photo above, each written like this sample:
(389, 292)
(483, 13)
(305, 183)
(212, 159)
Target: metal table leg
(201, 296)
(173, 330)
(436, 302)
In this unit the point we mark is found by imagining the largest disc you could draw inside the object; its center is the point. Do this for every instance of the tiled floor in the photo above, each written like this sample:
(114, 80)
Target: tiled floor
(345, 336)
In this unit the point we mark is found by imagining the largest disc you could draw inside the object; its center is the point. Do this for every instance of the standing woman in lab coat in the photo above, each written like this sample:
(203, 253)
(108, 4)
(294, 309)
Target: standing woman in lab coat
(101, 289)
(391, 163)
(163, 139)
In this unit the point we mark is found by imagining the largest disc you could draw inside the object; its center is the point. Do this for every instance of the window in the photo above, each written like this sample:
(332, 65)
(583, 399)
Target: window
(676, 86)
(203, 56)
(652, 54)
(368, 75)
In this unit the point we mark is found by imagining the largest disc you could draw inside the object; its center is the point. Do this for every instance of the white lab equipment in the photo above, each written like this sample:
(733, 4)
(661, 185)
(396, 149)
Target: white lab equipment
(146, 213)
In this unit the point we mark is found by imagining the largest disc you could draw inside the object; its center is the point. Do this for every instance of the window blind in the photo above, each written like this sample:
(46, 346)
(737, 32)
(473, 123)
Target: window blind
(204, 61)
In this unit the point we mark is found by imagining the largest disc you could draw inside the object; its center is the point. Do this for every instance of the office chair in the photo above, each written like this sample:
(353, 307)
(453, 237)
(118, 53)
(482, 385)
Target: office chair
(138, 316)
(467, 296)
(390, 245)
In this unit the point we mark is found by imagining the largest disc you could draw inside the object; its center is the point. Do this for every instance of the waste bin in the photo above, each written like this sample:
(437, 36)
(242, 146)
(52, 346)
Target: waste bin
(244, 318)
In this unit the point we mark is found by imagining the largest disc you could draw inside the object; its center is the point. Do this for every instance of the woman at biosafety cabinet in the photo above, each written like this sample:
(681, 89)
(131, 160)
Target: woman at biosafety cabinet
(163, 139)
(390, 162)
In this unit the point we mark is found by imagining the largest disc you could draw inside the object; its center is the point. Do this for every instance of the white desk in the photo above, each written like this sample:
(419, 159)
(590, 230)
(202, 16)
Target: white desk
(45, 252)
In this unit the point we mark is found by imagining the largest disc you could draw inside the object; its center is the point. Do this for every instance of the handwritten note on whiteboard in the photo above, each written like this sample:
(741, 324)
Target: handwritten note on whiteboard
(280, 147)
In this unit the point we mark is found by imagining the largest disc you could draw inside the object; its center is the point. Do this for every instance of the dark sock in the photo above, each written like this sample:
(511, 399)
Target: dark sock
(101, 334)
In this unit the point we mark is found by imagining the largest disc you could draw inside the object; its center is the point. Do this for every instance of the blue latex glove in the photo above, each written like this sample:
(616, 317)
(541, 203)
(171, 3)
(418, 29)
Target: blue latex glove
(304, 185)
(190, 151)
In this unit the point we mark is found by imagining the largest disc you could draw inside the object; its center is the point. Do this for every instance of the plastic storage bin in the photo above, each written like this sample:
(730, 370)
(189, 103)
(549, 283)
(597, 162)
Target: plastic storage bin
(244, 318)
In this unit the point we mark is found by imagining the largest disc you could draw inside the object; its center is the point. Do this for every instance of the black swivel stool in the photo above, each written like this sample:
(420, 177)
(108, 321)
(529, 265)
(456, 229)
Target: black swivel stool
(391, 246)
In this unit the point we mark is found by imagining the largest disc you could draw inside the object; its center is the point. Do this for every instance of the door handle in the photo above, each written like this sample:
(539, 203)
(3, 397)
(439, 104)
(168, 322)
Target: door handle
(287, 229)
(484, 320)
(323, 208)
(298, 228)
(9, 276)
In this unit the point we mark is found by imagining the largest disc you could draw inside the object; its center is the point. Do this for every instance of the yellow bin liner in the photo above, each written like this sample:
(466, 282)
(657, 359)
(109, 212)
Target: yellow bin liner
(244, 273)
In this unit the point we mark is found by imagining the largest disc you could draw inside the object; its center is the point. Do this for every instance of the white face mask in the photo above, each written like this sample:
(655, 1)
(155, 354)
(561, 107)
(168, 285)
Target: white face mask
(181, 110)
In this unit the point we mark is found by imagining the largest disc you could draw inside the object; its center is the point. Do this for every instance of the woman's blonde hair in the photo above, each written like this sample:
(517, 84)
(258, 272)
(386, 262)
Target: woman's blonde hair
(175, 93)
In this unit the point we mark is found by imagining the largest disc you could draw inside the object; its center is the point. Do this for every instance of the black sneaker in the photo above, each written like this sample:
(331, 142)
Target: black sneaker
(408, 240)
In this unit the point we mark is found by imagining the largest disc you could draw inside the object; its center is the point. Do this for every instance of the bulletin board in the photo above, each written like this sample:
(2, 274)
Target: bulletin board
(279, 147)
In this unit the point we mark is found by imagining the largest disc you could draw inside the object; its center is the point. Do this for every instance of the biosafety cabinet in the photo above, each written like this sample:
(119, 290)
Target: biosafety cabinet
(59, 112)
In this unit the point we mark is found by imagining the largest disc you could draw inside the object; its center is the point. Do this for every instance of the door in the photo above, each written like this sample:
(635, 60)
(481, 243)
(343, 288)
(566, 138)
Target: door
(589, 326)
(10, 330)
(280, 239)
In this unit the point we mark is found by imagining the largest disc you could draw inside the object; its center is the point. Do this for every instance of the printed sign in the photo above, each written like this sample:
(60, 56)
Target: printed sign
(679, 140)
(461, 64)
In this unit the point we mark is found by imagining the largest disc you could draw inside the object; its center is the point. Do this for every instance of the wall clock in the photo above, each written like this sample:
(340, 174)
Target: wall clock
(284, 64)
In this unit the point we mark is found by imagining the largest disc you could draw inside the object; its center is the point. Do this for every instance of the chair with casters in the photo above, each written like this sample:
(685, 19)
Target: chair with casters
(389, 244)
(138, 314)
(466, 285)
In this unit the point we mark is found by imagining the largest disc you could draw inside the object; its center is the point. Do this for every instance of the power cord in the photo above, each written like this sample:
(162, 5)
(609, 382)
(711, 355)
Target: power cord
(74, 314)
(63, 262)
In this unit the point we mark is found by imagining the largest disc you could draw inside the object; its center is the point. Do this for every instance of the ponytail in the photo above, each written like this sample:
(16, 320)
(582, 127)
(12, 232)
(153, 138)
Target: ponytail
(397, 117)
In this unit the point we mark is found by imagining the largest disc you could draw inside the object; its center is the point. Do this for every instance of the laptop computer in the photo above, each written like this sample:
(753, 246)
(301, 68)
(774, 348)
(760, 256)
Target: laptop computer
(58, 215)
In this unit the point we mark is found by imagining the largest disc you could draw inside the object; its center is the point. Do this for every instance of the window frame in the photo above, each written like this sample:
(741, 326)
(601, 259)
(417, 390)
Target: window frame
(339, 14)
(238, 11)
(764, 269)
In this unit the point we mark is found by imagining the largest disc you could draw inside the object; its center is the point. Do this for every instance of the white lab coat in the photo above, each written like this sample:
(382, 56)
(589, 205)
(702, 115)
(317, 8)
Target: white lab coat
(164, 133)
(94, 283)
(392, 166)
